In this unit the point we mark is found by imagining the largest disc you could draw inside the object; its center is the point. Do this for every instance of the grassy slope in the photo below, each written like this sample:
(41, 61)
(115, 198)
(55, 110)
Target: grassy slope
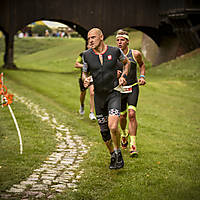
(168, 133)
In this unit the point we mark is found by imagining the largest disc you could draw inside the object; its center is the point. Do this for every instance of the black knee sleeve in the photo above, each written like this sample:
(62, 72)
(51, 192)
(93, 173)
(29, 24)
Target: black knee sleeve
(106, 135)
(105, 132)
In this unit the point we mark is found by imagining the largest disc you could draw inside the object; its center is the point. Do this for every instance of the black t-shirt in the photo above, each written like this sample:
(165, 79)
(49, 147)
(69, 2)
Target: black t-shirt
(104, 75)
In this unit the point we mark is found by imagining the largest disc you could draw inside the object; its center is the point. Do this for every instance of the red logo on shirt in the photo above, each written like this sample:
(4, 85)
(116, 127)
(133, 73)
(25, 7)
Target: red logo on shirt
(109, 57)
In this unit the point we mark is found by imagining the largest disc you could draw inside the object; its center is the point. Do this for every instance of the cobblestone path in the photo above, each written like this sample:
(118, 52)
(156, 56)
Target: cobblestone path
(60, 169)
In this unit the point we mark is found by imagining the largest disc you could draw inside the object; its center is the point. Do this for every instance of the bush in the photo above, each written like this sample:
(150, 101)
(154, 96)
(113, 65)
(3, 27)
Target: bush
(40, 30)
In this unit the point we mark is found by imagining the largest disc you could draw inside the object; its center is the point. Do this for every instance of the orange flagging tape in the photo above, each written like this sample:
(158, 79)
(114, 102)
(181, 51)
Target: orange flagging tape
(6, 99)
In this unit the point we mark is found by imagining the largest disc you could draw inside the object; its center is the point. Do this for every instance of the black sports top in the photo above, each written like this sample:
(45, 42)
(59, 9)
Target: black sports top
(132, 74)
(104, 75)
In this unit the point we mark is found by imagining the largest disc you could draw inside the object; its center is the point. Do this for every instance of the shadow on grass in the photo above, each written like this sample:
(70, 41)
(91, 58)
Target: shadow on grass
(41, 71)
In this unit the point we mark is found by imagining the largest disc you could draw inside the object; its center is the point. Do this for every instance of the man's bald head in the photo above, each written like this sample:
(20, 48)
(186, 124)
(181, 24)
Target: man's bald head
(95, 38)
(96, 30)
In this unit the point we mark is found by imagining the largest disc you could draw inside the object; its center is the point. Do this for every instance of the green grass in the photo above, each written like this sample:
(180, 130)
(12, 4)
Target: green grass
(168, 134)
(36, 144)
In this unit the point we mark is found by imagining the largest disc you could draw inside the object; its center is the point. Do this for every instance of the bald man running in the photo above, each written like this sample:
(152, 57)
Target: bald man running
(100, 62)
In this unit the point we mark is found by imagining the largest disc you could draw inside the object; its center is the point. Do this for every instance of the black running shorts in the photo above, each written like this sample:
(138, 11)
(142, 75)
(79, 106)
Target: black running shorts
(82, 88)
(131, 99)
(107, 105)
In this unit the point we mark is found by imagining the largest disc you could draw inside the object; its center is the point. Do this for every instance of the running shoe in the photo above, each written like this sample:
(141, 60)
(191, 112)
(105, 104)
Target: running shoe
(81, 110)
(133, 152)
(92, 116)
(124, 142)
(113, 161)
(120, 161)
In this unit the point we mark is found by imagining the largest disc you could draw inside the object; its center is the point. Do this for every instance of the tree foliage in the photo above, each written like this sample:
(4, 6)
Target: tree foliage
(40, 30)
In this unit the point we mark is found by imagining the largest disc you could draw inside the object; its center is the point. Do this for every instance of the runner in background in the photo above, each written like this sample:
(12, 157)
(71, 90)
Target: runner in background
(79, 64)
(130, 98)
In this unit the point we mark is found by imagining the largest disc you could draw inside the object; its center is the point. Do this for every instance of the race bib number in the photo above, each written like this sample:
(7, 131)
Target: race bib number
(127, 89)
(124, 89)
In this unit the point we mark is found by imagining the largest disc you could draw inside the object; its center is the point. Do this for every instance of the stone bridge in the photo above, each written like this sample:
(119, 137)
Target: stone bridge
(172, 26)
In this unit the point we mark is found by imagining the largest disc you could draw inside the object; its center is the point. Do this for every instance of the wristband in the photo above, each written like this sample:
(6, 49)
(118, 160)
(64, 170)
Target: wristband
(125, 76)
(142, 76)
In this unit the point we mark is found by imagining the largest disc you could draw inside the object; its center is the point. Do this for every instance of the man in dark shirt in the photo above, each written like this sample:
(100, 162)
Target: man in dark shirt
(100, 61)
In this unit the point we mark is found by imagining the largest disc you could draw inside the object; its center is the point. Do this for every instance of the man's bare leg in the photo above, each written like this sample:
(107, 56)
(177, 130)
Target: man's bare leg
(91, 89)
(132, 132)
(124, 132)
(82, 99)
(113, 126)
(115, 135)
(109, 146)
(123, 121)
(92, 115)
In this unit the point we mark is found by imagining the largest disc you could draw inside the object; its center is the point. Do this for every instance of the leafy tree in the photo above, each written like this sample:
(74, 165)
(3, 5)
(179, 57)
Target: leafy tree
(40, 30)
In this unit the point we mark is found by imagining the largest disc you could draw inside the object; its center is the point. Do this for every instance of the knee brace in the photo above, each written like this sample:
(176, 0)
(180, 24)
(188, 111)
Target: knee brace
(106, 136)
(105, 132)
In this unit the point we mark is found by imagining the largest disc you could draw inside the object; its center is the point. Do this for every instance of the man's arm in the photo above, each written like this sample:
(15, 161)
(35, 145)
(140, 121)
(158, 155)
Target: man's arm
(79, 62)
(138, 57)
(78, 65)
(86, 80)
(84, 76)
(122, 79)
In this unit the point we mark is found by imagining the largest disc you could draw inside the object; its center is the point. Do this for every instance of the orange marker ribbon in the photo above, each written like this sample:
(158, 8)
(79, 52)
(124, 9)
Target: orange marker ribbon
(6, 99)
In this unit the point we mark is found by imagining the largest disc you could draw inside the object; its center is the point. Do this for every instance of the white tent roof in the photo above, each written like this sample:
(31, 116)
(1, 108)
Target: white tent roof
(51, 24)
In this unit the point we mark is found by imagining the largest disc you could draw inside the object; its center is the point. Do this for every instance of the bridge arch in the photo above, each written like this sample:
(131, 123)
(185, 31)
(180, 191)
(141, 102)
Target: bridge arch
(151, 17)
(77, 27)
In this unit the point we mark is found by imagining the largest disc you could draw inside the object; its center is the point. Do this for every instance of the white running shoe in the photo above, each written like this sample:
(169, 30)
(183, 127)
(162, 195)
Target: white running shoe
(92, 116)
(81, 110)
